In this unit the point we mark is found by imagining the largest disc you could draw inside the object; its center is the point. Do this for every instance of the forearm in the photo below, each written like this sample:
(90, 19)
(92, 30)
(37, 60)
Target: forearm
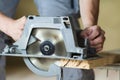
(5, 22)
(89, 10)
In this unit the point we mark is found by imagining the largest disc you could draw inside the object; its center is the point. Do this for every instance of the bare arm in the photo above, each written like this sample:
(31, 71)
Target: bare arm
(89, 13)
(11, 27)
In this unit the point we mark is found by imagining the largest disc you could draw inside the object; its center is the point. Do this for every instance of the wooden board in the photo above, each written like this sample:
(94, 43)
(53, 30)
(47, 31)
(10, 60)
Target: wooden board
(107, 58)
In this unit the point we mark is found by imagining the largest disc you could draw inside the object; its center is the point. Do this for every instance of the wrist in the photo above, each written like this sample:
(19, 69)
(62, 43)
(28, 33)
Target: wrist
(90, 25)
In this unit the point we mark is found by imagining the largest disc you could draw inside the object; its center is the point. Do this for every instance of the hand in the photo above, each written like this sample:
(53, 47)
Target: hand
(16, 28)
(95, 35)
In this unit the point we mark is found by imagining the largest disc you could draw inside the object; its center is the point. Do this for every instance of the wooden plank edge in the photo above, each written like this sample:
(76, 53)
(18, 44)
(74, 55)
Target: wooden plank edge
(106, 59)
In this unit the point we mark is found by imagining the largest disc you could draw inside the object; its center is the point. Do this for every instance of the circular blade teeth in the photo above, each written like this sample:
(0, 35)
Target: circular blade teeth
(41, 35)
(52, 35)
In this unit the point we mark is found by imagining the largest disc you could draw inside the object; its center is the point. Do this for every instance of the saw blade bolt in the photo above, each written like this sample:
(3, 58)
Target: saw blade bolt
(47, 48)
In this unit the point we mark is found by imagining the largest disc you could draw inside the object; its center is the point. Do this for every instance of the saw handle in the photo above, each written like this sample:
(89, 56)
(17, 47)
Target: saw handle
(84, 43)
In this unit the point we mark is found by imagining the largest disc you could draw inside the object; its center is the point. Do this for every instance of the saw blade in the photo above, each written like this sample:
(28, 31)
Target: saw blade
(52, 44)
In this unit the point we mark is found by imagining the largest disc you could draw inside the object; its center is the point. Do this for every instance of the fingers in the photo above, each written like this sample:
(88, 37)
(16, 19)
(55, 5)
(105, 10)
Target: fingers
(98, 47)
(95, 32)
(98, 42)
(96, 37)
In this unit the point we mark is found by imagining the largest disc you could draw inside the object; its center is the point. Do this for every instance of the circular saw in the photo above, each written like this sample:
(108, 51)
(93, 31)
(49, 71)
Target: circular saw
(46, 40)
